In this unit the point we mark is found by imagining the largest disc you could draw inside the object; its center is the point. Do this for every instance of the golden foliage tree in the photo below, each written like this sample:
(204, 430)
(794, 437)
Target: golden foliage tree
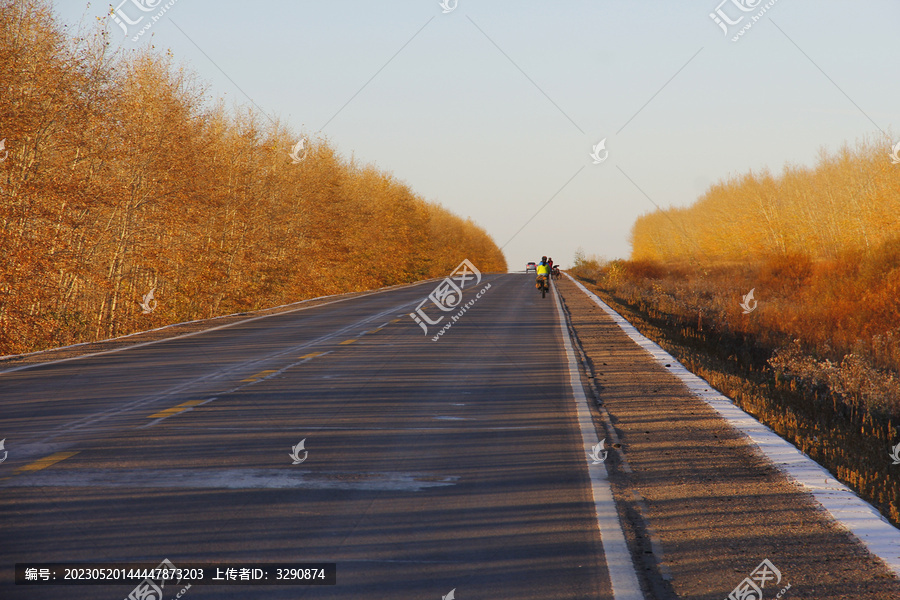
(123, 177)
(847, 202)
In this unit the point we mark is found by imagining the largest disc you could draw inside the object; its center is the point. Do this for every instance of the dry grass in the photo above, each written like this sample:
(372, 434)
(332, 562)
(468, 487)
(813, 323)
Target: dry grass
(817, 361)
(819, 358)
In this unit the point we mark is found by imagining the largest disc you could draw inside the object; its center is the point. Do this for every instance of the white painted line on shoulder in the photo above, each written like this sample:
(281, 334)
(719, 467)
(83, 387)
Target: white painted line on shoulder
(200, 332)
(622, 576)
(852, 512)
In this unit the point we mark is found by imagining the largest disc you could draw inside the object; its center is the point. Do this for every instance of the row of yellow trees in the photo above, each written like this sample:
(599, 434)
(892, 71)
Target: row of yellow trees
(119, 175)
(816, 354)
(849, 201)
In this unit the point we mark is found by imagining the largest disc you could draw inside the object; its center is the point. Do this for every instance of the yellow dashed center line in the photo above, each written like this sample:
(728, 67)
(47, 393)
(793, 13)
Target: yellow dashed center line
(45, 462)
(345, 342)
(176, 409)
(310, 355)
(259, 375)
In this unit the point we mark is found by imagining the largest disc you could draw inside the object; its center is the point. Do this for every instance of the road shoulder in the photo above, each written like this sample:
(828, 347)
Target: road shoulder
(715, 505)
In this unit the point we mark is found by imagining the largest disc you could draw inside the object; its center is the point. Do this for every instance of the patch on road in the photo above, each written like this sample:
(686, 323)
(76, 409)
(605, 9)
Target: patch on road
(233, 479)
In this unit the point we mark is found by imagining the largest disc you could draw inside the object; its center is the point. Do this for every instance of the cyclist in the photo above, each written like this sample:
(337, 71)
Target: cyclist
(543, 270)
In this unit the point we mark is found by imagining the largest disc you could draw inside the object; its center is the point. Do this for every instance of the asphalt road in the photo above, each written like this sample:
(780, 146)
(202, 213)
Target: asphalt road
(432, 466)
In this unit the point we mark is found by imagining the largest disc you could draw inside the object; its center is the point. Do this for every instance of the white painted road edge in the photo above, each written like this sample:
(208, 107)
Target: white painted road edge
(201, 331)
(852, 512)
(622, 577)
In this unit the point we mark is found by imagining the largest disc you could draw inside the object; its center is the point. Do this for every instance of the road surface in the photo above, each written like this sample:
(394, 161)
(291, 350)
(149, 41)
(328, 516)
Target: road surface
(432, 466)
(427, 466)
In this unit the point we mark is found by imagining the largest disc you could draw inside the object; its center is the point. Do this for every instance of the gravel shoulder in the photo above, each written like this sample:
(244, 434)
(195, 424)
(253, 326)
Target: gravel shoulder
(693, 490)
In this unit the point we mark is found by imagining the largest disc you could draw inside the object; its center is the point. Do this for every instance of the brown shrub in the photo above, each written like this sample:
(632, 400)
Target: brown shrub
(818, 360)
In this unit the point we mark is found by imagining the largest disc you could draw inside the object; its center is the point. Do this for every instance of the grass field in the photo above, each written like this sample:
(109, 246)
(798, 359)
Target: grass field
(816, 360)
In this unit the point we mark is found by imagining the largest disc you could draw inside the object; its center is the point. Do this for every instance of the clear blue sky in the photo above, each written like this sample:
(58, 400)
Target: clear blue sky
(493, 108)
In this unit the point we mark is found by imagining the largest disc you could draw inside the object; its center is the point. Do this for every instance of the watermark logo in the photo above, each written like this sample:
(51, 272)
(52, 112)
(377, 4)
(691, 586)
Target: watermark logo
(149, 303)
(152, 587)
(3, 149)
(295, 452)
(448, 294)
(895, 154)
(746, 303)
(724, 19)
(601, 146)
(596, 452)
(751, 588)
(6, 452)
(123, 19)
(299, 152)
(450, 596)
(447, 297)
(721, 18)
(895, 454)
(449, 6)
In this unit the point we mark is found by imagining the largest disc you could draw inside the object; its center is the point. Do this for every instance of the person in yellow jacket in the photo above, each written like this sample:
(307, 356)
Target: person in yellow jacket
(543, 270)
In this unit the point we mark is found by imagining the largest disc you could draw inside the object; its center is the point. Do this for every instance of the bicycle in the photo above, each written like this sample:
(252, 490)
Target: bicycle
(543, 284)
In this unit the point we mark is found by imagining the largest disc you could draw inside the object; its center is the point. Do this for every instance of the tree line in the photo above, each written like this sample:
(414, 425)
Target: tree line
(847, 202)
(120, 175)
(816, 354)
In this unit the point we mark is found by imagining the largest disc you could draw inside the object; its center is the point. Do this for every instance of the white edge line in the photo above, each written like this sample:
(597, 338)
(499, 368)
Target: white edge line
(852, 512)
(622, 576)
(128, 406)
(178, 337)
(122, 337)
